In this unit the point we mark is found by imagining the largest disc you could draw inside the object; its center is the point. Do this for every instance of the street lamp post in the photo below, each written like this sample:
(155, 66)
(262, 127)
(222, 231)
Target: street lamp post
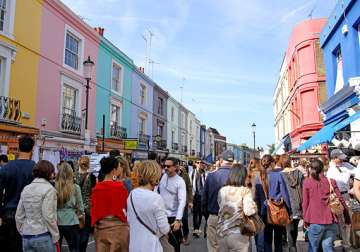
(88, 65)
(253, 126)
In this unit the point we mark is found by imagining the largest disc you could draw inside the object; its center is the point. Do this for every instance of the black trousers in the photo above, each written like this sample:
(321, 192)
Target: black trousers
(10, 239)
(175, 237)
(185, 222)
(85, 233)
(197, 214)
(292, 234)
(72, 237)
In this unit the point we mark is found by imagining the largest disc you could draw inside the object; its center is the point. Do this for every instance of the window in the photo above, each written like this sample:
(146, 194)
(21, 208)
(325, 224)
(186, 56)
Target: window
(3, 14)
(160, 129)
(72, 50)
(191, 127)
(172, 136)
(116, 77)
(142, 125)
(115, 116)
(160, 106)
(172, 114)
(339, 84)
(7, 14)
(69, 100)
(319, 59)
(182, 138)
(142, 94)
(183, 120)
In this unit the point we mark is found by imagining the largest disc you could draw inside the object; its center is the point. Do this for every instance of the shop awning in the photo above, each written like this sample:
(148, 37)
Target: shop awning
(326, 134)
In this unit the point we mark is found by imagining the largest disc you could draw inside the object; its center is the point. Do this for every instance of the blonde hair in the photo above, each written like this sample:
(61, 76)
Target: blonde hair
(64, 183)
(149, 172)
(84, 162)
(137, 165)
(124, 164)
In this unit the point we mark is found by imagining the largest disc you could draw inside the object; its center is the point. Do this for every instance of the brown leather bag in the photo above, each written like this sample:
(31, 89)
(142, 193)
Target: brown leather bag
(335, 205)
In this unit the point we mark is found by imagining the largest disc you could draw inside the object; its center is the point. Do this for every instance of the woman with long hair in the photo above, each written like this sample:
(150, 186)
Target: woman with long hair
(36, 211)
(270, 184)
(322, 224)
(146, 205)
(125, 172)
(294, 179)
(253, 168)
(108, 209)
(69, 206)
(234, 198)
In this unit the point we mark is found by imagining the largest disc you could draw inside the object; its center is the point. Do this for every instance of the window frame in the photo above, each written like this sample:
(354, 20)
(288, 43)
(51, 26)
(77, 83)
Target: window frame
(80, 38)
(160, 109)
(7, 53)
(142, 116)
(143, 98)
(8, 29)
(118, 104)
(172, 116)
(121, 77)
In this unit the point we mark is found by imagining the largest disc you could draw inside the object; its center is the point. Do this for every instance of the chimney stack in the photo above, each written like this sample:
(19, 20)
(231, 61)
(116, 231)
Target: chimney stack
(142, 69)
(100, 31)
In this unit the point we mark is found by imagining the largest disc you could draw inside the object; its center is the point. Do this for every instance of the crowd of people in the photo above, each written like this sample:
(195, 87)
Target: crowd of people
(145, 206)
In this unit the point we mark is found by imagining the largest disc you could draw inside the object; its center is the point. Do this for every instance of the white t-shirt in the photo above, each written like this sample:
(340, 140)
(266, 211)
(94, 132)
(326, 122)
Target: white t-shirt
(341, 175)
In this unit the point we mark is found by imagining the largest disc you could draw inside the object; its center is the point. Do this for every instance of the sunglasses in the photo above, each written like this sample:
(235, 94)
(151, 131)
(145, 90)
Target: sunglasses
(168, 166)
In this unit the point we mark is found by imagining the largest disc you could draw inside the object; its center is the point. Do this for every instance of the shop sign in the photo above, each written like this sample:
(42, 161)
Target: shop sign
(95, 161)
(131, 144)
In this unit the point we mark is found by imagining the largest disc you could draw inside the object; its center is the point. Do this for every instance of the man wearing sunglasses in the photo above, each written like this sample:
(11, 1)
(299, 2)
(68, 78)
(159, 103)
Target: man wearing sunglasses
(172, 189)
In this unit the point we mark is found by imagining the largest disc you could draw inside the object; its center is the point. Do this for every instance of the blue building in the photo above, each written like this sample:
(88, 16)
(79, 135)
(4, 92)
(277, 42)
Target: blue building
(341, 48)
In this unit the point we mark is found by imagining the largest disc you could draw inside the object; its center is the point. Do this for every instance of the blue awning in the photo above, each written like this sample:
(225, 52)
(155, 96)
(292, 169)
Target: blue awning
(326, 134)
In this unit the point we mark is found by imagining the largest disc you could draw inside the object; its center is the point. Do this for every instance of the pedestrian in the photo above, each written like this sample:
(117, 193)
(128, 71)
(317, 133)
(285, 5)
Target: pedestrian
(133, 174)
(36, 218)
(3, 160)
(252, 170)
(13, 178)
(210, 206)
(234, 199)
(341, 172)
(70, 208)
(86, 180)
(270, 184)
(125, 173)
(318, 217)
(190, 167)
(172, 189)
(108, 209)
(189, 204)
(146, 211)
(294, 179)
(197, 182)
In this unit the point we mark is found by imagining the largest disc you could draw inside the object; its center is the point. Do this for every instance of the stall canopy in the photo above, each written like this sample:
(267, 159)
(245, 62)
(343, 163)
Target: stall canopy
(326, 134)
(283, 145)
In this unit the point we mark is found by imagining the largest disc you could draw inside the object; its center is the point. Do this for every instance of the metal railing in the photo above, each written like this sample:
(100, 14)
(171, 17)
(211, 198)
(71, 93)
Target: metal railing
(118, 132)
(10, 109)
(71, 123)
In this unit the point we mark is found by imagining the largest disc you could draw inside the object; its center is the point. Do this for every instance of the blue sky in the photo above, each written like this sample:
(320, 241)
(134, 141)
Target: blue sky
(229, 52)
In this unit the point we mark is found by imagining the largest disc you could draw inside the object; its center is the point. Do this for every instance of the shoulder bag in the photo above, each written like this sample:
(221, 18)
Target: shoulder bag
(277, 214)
(334, 203)
(164, 240)
(250, 225)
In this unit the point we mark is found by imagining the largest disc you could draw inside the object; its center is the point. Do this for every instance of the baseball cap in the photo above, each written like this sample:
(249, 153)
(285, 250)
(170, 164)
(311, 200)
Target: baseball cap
(228, 155)
(337, 153)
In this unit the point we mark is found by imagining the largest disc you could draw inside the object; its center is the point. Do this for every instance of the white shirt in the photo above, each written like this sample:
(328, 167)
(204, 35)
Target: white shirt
(341, 175)
(173, 192)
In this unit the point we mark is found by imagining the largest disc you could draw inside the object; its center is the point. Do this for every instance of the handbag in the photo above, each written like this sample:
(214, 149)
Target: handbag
(277, 213)
(250, 225)
(164, 240)
(355, 222)
(334, 203)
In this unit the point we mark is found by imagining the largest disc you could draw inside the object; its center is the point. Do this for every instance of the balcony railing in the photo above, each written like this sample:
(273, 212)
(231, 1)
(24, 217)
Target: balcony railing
(175, 146)
(71, 124)
(10, 109)
(118, 132)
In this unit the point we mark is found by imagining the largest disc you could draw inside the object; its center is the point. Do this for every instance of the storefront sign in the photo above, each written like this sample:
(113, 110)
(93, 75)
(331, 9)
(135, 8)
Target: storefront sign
(95, 161)
(131, 144)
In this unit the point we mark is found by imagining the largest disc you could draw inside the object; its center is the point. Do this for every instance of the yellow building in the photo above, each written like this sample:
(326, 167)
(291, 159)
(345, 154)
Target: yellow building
(20, 34)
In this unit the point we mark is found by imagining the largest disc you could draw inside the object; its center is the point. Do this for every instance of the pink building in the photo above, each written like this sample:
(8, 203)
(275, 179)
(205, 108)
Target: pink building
(306, 78)
(66, 41)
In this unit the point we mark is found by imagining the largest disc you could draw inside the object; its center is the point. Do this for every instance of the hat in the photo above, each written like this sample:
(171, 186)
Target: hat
(337, 153)
(228, 155)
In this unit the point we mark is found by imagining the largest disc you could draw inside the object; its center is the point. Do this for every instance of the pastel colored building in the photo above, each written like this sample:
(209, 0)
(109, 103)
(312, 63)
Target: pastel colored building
(183, 130)
(19, 61)
(160, 120)
(197, 137)
(113, 94)
(173, 127)
(306, 79)
(141, 112)
(203, 141)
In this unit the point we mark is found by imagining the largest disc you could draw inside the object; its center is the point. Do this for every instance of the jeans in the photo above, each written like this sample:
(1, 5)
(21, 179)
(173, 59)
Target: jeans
(272, 232)
(72, 237)
(292, 234)
(10, 237)
(234, 243)
(39, 244)
(175, 237)
(185, 222)
(322, 236)
(197, 214)
(85, 233)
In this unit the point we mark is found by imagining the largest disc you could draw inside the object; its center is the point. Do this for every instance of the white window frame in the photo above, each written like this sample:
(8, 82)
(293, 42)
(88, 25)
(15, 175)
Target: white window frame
(183, 121)
(144, 117)
(117, 103)
(121, 78)
(7, 53)
(173, 131)
(339, 81)
(8, 30)
(143, 87)
(172, 117)
(80, 70)
(66, 80)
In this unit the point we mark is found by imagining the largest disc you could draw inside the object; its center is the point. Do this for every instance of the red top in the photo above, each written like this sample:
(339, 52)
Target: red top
(108, 199)
(315, 201)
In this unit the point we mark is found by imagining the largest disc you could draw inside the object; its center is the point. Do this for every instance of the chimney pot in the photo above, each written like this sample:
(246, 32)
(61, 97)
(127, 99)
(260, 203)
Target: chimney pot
(99, 30)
